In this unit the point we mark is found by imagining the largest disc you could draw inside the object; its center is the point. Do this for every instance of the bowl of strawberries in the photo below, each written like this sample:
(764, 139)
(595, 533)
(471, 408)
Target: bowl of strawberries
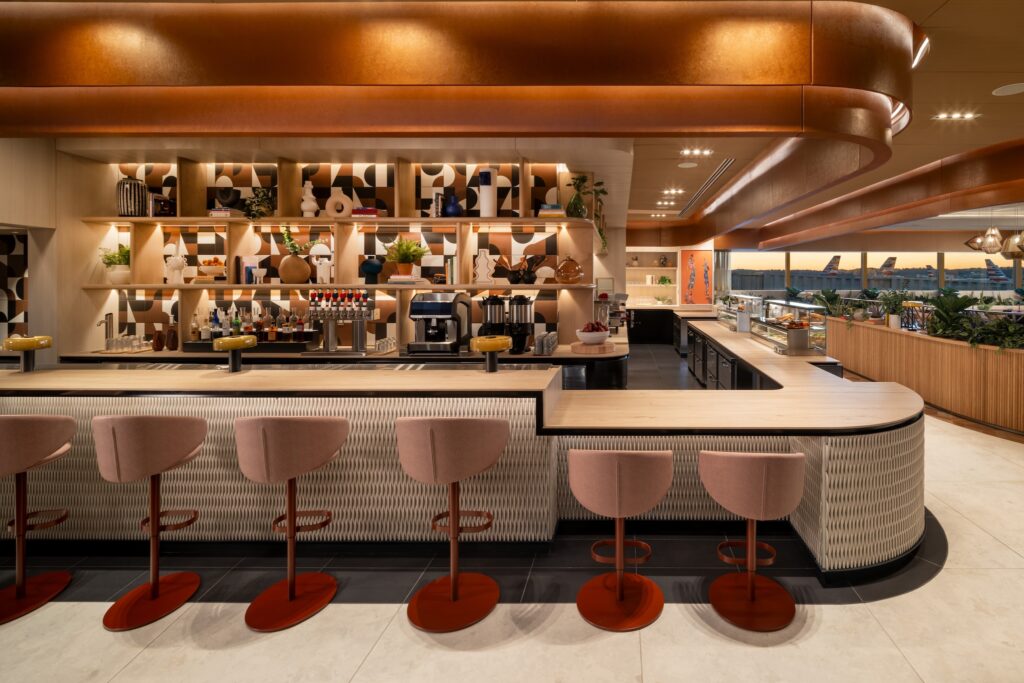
(593, 333)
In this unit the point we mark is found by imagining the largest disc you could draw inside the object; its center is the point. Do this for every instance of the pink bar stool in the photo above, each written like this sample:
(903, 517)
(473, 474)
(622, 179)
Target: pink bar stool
(134, 447)
(755, 486)
(436, 450)
(620, 484)
(28, 441)
(272, 450)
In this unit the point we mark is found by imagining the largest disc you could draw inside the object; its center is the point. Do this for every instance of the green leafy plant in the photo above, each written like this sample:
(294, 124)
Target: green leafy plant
(664, 280)
(793, 293)
(949, 318)
(577, 209)
(260, 204)
(870, 294)
(892, 300)
(293, 247)
(1003, 331)
(121, 256)
(833, 303)
(406, 251)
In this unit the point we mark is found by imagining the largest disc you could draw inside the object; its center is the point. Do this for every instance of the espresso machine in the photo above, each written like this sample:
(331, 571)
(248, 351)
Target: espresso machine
(494, 318)
(520, 323)
(442, 323)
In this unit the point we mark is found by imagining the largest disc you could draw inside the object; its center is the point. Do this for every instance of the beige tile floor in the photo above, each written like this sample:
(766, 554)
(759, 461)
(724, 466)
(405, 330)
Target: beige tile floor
(966, 624)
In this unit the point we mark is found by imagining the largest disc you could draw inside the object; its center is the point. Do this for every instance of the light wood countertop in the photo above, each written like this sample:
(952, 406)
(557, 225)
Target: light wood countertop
(811, 401)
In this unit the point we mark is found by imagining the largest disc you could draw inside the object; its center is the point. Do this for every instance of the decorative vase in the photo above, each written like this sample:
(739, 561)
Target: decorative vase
(132, 197)
(634, 262)
(515, 277)
(171, 344)
(370, 269)
(309, 206)
(119, 275)
(339, 204)
(452, 208)
(483, 267)
(294, 270)
(404, 268)
(895, 321)
(529, 277)
(576, 208)
(158, 341)
(569, 272)
(488, 194)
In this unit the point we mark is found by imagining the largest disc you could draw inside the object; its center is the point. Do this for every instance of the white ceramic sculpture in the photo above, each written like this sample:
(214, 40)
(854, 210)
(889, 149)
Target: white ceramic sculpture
(324, 270)
(339, 204)
(174, 268)
(483, 267)
(309, 206)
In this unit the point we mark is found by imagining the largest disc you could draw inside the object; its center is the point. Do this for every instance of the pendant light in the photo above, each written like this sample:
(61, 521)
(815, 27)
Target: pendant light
(974, 243)
(992, 241)
(1013, 246)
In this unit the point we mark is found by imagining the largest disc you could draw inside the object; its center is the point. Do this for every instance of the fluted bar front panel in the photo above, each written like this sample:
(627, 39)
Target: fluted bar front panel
(370, 495)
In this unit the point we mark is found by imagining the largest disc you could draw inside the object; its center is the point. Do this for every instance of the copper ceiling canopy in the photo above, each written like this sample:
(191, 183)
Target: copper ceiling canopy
(832, 76)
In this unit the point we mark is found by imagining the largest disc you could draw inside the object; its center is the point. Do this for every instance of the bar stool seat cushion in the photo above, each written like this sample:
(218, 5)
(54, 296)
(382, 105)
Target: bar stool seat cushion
(27, 343)
(245, 341)
(444, 450)
(27, 441)
(619, 484)
(276, 449)
(133, 447)
(759, 486)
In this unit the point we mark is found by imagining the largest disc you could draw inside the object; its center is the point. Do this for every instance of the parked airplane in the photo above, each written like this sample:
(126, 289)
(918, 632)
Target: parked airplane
(888, 268)
(832, 268)
(929, 272)
(995, 273)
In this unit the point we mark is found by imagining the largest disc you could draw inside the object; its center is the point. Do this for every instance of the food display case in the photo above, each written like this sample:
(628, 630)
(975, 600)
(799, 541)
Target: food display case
(737, 311)
(792, 328)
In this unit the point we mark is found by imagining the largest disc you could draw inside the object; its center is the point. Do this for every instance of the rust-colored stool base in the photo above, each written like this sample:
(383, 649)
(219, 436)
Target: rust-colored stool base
(772, 608)
(433, 610)
(39, 590)
(136, 609)
(641, 605)
(273, 611)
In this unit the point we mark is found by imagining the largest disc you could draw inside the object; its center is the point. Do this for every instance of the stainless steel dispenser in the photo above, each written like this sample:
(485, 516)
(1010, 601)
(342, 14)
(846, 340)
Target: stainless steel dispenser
(442, 322)
(520, 323)
(494, 316)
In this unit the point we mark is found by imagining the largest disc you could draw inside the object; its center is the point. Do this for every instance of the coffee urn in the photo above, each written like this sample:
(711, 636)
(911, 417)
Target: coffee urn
(520, 323)
(494, 316)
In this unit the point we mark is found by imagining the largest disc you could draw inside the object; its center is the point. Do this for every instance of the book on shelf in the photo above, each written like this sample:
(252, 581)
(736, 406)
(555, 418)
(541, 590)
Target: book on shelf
(366, 211)
(408, 280)
(550, 211)
(223, 212)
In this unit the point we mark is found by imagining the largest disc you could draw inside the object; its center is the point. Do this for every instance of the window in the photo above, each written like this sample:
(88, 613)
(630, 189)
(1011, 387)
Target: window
(913, 271)
(816, 270)
(756, 271)
(978, 272)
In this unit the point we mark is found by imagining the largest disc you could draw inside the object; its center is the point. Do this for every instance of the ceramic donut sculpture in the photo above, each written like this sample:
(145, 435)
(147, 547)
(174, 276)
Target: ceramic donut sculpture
(338, 205)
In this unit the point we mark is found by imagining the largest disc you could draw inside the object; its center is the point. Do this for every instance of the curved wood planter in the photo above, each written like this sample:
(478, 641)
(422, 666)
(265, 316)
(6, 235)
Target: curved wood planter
(982, 383)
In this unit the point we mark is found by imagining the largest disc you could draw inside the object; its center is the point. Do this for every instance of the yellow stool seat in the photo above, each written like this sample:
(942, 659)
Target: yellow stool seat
(494, 342)
(27, 343)
(243, 341)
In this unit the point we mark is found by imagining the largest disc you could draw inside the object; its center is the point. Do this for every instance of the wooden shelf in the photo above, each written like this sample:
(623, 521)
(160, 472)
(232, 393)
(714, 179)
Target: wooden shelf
(672, 268)
(361, 221)
(220, 286)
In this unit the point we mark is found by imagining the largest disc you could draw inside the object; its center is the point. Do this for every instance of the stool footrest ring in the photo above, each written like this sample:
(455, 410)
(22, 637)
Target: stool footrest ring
(761, 561)
(280, 523)
(475, 528)
(644, 548)
(58, 515)
(190, 518)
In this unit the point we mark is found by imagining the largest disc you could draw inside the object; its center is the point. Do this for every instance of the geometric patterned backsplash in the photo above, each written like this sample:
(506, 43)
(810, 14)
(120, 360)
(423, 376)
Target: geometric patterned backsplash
(441, 241)
(367, 185)
(228, 185)
(143, 311)
(13, 285)
(464, 179)
(196, 243)
(543, 185)
(271, 249)
(159, 178)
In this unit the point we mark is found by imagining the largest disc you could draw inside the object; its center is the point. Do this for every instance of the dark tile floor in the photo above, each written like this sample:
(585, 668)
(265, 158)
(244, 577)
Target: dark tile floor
(548, 572)
(658, 366)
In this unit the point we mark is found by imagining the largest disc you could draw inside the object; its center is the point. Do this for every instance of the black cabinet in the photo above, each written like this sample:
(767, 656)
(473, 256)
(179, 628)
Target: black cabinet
(695, 357)
(679, 335)
(710, 366)
(650, 326)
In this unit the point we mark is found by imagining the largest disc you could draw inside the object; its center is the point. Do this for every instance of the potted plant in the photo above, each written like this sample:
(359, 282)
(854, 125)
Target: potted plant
(118, 263)
(577, 208)
(293, 268)
(892, 304)
(832, 302)
(405, 253)
(260, 204)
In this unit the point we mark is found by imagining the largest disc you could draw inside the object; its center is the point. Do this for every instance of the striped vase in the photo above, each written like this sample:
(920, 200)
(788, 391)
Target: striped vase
(132, 197)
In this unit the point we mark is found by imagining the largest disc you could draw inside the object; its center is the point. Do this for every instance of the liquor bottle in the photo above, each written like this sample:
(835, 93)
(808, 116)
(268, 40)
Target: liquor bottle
(300, 324)
(171, 342)
(272, 331)
(284, 333)
(205, 333)
(236, 324)
(225, 325)
(194, 332)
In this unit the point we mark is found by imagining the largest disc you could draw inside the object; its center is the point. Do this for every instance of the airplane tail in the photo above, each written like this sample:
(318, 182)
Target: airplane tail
(832, 268)
(994, 272)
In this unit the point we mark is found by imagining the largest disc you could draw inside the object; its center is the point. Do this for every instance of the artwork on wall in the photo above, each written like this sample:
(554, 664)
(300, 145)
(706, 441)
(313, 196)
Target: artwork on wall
(697, 276)
(367, 185)
(229, 185)
(144, 311)
(441, 242)
(511, 247)
(464, 181)
(199, 244)
(13, 285)
(543, 185)
(268, 250)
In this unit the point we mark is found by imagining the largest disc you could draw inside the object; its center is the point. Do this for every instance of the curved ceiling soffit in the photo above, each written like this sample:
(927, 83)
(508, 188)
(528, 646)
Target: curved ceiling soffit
(983, 177)
(831, 74)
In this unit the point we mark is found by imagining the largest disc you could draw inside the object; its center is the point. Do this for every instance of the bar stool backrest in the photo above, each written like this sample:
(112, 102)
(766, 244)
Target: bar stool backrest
(133, 447)
(619, 484)
(276, 449)
(30, 440)
(757, 486)
(444, 450)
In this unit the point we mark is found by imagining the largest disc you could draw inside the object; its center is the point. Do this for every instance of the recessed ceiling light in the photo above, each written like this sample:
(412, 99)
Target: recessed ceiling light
(956, 116)
(1009, 89)
(688, 164)
(696, 152)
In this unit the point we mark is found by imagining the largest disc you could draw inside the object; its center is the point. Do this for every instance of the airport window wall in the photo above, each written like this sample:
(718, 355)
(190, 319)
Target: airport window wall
(757, 271)
(815, 270)
(978, 272)
(913, 271)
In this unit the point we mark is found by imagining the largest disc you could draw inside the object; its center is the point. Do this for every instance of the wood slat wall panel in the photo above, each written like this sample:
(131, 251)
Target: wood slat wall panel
(982, 383)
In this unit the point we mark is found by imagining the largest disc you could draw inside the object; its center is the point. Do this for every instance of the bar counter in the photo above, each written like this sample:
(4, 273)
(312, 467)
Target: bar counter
(863, 502)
